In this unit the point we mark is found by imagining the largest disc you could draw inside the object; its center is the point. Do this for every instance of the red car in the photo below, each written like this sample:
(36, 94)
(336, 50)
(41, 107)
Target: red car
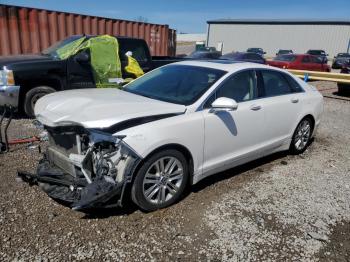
(300, 62)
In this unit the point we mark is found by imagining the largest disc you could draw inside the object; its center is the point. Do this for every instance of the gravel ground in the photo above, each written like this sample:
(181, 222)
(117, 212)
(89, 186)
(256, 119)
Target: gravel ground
(278, 208)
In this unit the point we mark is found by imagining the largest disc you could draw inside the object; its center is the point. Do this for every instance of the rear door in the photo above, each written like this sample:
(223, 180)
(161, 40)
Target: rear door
(282, 101)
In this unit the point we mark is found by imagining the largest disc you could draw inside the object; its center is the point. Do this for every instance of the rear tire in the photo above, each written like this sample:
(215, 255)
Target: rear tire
(161, 180)
(32, 96)
(301, 136)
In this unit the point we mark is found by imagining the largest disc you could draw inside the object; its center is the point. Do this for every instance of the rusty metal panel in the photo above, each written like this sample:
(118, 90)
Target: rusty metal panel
(5, 45)
(30, 30)
(53, 27)
(24, 29)
(44, 29)
(14, 31)
(34, 31)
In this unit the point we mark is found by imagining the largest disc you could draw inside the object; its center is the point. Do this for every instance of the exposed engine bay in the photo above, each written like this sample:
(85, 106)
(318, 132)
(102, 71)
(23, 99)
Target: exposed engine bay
(84, 169)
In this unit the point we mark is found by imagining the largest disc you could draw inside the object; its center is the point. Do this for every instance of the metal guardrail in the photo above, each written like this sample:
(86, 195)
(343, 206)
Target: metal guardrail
(322, 76)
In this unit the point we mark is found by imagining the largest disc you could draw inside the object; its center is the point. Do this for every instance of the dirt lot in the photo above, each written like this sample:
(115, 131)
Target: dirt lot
(279, 208)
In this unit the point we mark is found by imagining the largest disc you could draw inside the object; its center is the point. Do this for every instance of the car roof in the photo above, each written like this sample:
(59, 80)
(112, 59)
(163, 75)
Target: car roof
(225, 65)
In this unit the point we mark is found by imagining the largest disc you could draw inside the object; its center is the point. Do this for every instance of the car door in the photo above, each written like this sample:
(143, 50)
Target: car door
(233, 136)
(305, 63)
(317, 63)
(282, 101)
(79, 72)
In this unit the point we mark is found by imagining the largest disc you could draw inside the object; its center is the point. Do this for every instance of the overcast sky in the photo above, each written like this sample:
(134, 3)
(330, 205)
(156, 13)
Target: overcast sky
(190, 16)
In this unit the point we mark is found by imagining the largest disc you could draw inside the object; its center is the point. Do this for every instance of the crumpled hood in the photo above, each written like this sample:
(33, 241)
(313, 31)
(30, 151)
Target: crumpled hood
(98, 108)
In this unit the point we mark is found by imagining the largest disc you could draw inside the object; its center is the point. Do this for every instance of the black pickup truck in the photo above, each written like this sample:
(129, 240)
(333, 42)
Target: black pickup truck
(26, 78)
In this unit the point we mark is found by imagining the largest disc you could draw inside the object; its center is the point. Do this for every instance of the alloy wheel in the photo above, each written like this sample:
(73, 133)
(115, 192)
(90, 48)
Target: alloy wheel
(163, 180)
(302, 135)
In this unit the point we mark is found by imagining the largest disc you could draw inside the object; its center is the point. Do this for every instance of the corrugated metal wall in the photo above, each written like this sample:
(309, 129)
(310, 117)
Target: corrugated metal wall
(238, 37)
(29, 30)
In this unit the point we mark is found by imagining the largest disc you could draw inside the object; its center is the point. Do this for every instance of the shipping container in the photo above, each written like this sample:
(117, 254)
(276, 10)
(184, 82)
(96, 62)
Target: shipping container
(29, 30)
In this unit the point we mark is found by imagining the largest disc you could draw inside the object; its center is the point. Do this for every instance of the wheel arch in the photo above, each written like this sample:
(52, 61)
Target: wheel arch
(184, 150)
(313, 121)
(54, 82)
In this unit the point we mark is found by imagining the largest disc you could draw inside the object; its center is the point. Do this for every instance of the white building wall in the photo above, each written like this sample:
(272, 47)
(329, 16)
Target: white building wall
(238, 37)
(191, 37)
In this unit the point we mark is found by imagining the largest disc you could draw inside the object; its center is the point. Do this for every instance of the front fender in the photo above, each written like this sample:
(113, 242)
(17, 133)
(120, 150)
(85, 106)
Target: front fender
(186, 130)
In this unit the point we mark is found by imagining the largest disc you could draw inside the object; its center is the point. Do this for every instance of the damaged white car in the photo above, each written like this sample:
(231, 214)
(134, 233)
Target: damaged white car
(169, 129)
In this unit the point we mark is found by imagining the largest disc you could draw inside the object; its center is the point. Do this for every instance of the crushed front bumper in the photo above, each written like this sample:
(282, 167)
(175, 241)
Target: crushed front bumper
(96, 177)
(75, 193)
(9, 96)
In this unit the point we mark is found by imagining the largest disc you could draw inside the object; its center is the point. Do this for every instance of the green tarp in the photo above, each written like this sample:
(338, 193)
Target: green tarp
(104, 53)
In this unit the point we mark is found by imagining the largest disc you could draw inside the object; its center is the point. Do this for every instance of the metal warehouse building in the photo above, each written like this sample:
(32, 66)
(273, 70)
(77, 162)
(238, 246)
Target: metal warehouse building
(271, 35)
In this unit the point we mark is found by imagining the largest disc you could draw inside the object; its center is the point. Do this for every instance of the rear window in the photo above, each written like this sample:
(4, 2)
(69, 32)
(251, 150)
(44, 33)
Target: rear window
(316, 52)
(137, 48)
(285, 58)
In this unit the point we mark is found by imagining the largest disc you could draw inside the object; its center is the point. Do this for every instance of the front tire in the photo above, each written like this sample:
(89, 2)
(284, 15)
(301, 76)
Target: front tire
(161, 180)
(301, 137)
(32, 96)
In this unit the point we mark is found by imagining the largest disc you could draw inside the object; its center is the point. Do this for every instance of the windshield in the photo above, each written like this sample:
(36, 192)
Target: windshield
(232, 56)
(286, 58)
(281, 52)
(51, 51)
(254, 50)
(179, 84)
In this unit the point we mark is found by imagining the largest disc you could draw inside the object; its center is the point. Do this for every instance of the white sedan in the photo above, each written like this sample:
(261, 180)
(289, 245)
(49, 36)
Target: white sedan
(169, 129)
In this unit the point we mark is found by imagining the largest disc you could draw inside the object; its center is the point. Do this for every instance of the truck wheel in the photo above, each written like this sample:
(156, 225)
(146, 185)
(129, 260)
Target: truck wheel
(161, 180)
(33, 95)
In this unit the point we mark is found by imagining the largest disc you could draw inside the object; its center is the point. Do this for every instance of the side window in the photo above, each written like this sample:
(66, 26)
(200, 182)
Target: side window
(316, 60)
(248, 56)
(254, 57)
(240, 87)
(294, 85)
(210, 101)
(305, 59)
(275, 83)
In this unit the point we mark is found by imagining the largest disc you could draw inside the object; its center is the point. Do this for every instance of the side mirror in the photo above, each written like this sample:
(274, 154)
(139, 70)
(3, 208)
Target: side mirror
(82, 57)
(224, 103)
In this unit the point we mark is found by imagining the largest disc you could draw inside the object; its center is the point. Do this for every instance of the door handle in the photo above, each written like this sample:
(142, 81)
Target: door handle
(295, 100)
(255, 107)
